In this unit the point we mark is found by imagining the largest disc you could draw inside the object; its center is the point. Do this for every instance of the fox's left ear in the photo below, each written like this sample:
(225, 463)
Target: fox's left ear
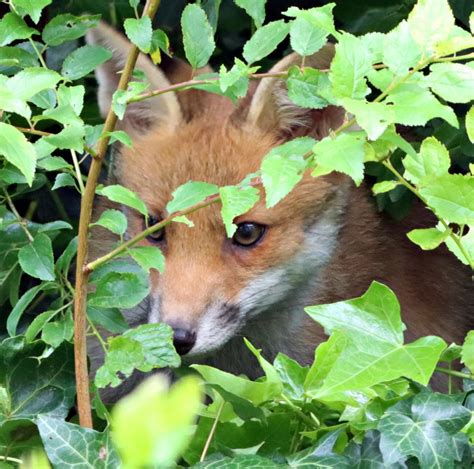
(271, 110)
(141, 115)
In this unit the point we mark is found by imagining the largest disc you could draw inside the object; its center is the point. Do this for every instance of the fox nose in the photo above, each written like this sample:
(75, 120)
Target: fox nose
(183, 340)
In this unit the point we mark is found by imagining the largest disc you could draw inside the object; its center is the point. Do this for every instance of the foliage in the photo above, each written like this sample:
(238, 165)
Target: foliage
(365, 400)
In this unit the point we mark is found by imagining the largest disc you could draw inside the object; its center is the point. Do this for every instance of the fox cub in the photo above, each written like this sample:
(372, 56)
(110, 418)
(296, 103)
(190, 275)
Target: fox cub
(325, 242)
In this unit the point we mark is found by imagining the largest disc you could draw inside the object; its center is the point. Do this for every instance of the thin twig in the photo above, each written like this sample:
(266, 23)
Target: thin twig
(212, 432)
(78, 171)
(21, 221)
(457, 374)
(80, 337)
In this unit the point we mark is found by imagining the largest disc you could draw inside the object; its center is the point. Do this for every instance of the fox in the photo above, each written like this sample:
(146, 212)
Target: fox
(324, 242)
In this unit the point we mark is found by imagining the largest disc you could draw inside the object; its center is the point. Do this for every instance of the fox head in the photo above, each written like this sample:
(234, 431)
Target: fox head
(215, 288)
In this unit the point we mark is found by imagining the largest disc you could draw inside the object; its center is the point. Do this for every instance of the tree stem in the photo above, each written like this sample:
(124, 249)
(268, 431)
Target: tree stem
(80, 346)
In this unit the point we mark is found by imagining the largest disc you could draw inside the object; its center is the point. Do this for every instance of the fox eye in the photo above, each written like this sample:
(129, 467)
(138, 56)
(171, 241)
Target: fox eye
(156, 236)
(248, 234)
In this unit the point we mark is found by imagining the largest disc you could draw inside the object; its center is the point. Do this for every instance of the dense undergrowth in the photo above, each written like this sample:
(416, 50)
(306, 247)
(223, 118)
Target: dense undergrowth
(365, 401)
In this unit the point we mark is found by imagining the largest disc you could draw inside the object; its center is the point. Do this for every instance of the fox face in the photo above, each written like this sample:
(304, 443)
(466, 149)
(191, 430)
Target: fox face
(216, 289)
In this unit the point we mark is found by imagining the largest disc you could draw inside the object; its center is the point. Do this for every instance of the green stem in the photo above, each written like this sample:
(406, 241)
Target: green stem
(21, 221)
(38, 53)
(97, 335)
(10, 459)
(78, 171)
(307, 420)
(457, 374)
(212, 432)
(455, 58)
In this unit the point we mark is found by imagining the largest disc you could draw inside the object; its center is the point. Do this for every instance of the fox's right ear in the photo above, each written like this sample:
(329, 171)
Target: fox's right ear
(142, 115)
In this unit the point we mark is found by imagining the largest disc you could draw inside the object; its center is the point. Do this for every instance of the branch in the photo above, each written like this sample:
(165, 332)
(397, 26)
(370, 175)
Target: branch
(80, 346)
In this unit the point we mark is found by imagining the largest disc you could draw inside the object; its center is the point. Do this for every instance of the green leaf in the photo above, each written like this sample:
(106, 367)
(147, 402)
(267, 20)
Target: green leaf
(55, 333)
(111, 319)
(12, 27)
(235, 82)
(11, 103)
(113, 220)
(236, 201)
(71, 97)
(189, 194)
(422, 426)
(450, 196)
(119, 290)
(36, 386)
(255, 9)
(20, 307)
(148, 257)
(400, 39)
(119, 136)
(36, 258)
(38, 323)
(283, 167)
(18, 151)
(265, 40)
(374, 118)
(159, 42)
(310, 29)
(33, 8)
(430, 22)
(253, 461)
(292, 375)
(144, 348)
(384, 186)
(63, 180)
(452, 82)
(124, 196)
(428, 238)
(349, 67)
(470, 124)
(71, 137)
(67, 27)
(84, 60)
(418, 106)
(68, 444)
(153, 425)
(30, 81)
(305, 87)
(467, 242)
(433, 160)
(139, 31)
(65, 259)
(344, 153)
(370, 328)
(11, 56)
(198, 37)
(467, 354)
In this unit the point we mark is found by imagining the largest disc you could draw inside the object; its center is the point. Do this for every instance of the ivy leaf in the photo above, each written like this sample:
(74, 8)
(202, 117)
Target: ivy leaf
(400, 39)
(139, 31)
(432, 160)
(198, 37)
(12, 27)
(124, 196)
(450, 196)
(265, 40)
(119, 290)
(452, 82)
(236, 201)
(84, 60)
(370, 327)
(113, 220)
(189, 194)
(310, 29)
(467, 353)
(67, 27)
(36, 387)
(345, 154)
(18, 151)
(283, 168)
(36, 258)
(349, 67)
(144, 348)
(255, 9)
(68, 444)
(430, 22)
(305, 87)
(422, 426)
(292, 375)
(418, 106)
(153, 425)
(374, 118)
(148, 257)
(427, 238)
(33, 8)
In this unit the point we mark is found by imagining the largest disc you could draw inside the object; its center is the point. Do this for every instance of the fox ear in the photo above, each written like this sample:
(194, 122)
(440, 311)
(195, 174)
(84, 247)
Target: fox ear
(141, 115)
(272, 111)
